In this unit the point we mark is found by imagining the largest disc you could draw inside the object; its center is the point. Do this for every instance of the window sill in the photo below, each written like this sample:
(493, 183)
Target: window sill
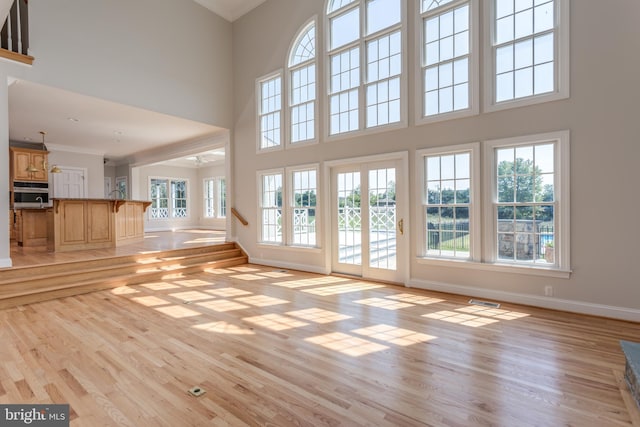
(503, 268)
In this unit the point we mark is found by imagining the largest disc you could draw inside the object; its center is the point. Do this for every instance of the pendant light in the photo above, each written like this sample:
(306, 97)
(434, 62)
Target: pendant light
(31, 167)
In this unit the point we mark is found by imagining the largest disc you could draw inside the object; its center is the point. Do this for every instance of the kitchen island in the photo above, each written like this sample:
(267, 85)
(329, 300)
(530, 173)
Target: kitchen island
(81, 224)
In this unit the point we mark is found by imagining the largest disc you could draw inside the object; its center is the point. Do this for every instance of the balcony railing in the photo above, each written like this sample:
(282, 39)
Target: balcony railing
(14, 37)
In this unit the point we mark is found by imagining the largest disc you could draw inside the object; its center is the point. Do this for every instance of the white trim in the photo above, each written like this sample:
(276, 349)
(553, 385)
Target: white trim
(289, 265)
(258, 116)
(78, 150)
(290, 68)
(259, 186)
(402, 192)
(361, 43)
(561, 60)
(501, 268)
(5, 262)
(189, 200)
(475, 210)
(474, 60)
(562, 173)
(552, 303)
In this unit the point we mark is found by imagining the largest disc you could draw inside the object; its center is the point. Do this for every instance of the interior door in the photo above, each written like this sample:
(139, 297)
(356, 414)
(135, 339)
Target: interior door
(70, 183)
(368, 220)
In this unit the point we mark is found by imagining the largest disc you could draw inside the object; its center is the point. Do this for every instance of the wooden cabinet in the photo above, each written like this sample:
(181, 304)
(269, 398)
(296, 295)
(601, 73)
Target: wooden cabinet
(20, 160)
(30, 227)
(82, 224)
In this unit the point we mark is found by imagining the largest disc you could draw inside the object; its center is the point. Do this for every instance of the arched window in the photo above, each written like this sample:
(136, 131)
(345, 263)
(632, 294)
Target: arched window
(365, 64)
(302, 85)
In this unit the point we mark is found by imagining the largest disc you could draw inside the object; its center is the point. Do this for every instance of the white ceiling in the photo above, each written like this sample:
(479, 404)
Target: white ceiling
(80, 123)
(230, 9)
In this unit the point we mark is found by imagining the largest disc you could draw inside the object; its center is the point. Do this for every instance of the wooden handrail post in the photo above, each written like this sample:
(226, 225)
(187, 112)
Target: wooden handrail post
(239, 217)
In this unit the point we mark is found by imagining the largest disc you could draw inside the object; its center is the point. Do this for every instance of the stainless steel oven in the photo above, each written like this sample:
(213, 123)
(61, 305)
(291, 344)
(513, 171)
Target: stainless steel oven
(28, 194)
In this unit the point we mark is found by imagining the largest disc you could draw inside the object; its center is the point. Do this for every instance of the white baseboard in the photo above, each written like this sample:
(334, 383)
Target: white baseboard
(5, 263)
(614, 312)
(289, 265)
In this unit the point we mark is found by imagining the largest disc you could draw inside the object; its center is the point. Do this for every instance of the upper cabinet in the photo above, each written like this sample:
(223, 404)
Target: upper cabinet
(22, 159)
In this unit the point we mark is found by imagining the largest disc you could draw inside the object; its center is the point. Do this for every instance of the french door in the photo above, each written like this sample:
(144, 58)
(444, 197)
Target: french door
(368, 220)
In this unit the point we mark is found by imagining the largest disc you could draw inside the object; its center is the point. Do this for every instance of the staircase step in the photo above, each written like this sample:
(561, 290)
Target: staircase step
(65, 279)
(632, 368)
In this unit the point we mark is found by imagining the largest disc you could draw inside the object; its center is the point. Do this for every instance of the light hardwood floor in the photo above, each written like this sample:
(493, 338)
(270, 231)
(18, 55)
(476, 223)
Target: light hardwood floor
(280, 348)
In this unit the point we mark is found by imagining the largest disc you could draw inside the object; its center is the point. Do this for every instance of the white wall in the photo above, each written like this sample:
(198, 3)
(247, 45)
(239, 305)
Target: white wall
(602, 115)
(172, 56)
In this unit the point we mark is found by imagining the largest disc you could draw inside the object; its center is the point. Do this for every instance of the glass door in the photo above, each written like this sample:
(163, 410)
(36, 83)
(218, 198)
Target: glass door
(367, 220)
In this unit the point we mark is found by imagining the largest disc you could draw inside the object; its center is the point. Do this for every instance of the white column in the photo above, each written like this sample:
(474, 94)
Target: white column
(5, 255)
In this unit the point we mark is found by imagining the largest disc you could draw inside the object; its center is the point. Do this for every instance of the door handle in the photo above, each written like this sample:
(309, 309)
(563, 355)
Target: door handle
(401, 226)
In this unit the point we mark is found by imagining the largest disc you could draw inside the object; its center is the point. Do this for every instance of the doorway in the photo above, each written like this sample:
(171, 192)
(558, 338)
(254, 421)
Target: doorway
(369, 219)
(70, 183)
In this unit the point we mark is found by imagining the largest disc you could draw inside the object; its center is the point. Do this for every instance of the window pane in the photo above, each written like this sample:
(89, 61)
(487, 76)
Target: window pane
(382, 14)
(338, 4)
(305, 47)
(345, 28)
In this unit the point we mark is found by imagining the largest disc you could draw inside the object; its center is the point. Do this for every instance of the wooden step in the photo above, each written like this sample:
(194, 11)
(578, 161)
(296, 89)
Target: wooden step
(632, 368)
(40, 283)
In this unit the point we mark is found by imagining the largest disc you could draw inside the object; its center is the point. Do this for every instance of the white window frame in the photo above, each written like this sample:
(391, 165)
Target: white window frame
(170, 198)
(561, 195)
(258, 90)
(291, 205)
(289, 87)
(474, 61)
(361, 43)
(288, 207)
(561, 60)
(216, 200)
(260, 180)
(475, 246)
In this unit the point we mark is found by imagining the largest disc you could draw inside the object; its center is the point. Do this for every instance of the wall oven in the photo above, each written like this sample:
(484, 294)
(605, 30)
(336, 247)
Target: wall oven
(30, 194)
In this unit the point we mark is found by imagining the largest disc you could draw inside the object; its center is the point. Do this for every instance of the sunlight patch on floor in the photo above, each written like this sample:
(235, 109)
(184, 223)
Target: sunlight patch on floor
(223, 328)
(318, 315)
(159, 286)
(415, 299)
(493, 312)
(342, 289)
(178, 311)
(228, 292)
(222, 306)
(384, 303)
(150, 301)
(346, 344)
(191, 296)
(247, 277)
(124, 290)
(192, 283)
(275, 322)
(460, 318)
(394, 335)
(262, 300)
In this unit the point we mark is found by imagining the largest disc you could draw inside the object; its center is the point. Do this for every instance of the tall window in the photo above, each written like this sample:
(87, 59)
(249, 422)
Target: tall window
(269, 112)
(448, 69)
(292, 223)
(450, 181)
(529, 40)
(530, 184)
(302, 77)
(303, 211)
(214, 198)
(365, 64)
(271, 207)
(168, 198)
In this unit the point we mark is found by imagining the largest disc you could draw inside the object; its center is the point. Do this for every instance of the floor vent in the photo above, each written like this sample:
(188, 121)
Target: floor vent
(280, 271)
(484, 303)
